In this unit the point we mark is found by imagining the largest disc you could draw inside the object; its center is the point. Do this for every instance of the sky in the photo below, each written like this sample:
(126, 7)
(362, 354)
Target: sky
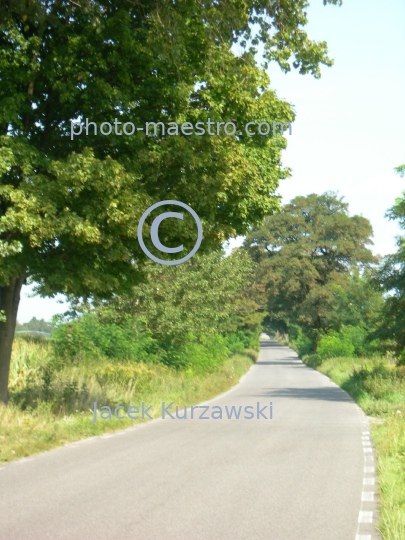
(349, 131)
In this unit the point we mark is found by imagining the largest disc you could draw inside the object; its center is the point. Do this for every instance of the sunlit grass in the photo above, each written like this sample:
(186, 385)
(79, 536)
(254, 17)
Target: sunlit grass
(51, 405)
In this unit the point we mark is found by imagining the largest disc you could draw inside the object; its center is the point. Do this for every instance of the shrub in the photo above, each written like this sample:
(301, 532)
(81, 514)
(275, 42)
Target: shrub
(301, 342)
(200, 355)
(250, 338)
(357, 336)
(91, 337)
(87, 337)
(251, 353)
(350, 341)
(333, 345)
(237, 342)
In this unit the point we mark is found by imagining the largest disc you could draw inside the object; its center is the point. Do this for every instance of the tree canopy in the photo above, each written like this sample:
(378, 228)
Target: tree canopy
(306, 254)
(392, 278)
(197, 297)
(209, 295)
(69, 208)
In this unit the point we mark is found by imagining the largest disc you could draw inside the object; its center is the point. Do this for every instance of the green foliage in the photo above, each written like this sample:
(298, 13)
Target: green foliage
(191, 316)
(334, 345)
(307, 253)
(377, 384)
(357, 302)
(350, 341)
(69, 207)
(88, 337)
(391, 276)
(202, 356)
(38, 378)
(208, 295)
(238, 341)
(36, 325)
(400, 170)
(301, 342)
(392, 324)
(358, 337)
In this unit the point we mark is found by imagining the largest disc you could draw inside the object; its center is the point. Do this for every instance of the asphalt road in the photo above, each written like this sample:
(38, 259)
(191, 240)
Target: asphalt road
(297, 476)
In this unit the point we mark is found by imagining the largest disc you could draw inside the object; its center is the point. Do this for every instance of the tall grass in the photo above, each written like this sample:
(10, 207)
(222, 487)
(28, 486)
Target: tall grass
(51, 402)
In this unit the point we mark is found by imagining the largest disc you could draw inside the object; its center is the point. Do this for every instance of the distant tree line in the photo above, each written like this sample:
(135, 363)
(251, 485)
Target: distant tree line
(35, 325)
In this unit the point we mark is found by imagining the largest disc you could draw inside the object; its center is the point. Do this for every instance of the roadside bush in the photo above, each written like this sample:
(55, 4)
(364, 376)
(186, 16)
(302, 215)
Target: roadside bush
(210, 354)
(302, 343)
(333, 345)
(238, 341)
(357, 336)
(87, 337)
(382, 381)
(202, 355)
(350, 341)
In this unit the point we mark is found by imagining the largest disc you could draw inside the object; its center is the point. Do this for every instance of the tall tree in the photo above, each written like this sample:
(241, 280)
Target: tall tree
(392, 278)
(305, 253)
(69, 206)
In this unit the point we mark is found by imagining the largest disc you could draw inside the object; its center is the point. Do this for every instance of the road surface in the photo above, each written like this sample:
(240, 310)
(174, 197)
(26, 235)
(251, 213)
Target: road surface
(297, 476)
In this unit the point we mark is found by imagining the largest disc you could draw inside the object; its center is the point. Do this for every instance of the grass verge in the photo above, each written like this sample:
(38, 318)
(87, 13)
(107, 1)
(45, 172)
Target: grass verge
(52, 405)
(378, 386)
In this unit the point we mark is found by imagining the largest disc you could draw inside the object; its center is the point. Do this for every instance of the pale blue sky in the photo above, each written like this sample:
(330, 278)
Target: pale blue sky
(349, 133)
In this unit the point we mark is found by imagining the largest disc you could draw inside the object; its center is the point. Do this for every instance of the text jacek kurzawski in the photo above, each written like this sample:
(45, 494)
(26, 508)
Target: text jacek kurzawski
(195, 412)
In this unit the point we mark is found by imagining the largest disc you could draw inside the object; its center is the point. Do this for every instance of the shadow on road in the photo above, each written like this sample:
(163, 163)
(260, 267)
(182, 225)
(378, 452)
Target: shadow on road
(264, 344)
(288, 362)
(322, 394)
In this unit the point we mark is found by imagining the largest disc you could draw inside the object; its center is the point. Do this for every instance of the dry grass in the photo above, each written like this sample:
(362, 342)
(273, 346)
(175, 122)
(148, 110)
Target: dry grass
(51, 405)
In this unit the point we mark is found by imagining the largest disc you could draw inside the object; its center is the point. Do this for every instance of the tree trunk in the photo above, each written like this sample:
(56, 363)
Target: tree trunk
(9, 300)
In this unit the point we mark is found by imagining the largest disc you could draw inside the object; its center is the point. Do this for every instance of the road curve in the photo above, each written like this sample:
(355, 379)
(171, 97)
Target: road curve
(297, 476)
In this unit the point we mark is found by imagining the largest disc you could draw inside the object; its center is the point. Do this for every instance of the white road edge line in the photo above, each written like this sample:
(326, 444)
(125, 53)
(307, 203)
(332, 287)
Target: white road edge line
(365, 517)
(367, 496)
(368, 481)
